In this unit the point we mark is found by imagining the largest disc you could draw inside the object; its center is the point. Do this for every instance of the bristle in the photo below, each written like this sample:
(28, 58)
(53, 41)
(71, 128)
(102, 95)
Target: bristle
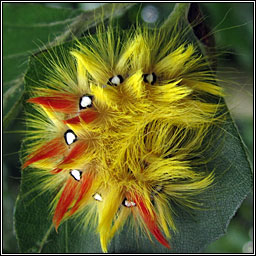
(150, 221)
(86, 183)
(48, 150)
(56, 170)
(62, 103)
(66, 198)
(87, 116)
(75, 153)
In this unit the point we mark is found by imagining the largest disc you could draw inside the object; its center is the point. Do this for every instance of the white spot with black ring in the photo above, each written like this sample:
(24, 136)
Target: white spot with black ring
(70, 137)
(97, 197)
(128, 203)
(76, 174)
(85, 101)
(149, 78)
(115, 80)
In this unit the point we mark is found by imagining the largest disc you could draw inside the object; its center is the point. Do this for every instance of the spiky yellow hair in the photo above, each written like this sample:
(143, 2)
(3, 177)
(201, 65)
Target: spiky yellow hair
(115, 126)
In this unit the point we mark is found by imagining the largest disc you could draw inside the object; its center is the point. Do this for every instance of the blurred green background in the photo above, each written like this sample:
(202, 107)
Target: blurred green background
(232, 25)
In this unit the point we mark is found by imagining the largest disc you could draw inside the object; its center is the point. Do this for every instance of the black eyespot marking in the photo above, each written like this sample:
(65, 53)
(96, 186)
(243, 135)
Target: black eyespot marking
(76, 174)
(97, 197)
(128, 203)
(129, 171)
(115, 80)
(85, 101)
(149, 78)
(70, 137)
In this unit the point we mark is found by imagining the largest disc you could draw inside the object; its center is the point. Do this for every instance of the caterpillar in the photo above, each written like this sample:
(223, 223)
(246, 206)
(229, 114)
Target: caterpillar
(118, 126)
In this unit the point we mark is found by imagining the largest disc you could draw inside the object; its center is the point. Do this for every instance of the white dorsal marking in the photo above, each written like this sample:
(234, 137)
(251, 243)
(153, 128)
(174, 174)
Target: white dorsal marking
(97, 197)
(129, 204)
(70, 137)
(76, 174)
(150, 78)
(115, 80)
(85, 101)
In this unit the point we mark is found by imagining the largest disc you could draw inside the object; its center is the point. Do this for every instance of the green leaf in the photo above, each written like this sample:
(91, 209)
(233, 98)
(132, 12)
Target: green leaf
(180, 12)
(29, 28)
(196, 229)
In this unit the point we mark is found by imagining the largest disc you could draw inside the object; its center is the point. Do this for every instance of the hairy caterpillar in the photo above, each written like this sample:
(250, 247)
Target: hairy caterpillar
(115, 126)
